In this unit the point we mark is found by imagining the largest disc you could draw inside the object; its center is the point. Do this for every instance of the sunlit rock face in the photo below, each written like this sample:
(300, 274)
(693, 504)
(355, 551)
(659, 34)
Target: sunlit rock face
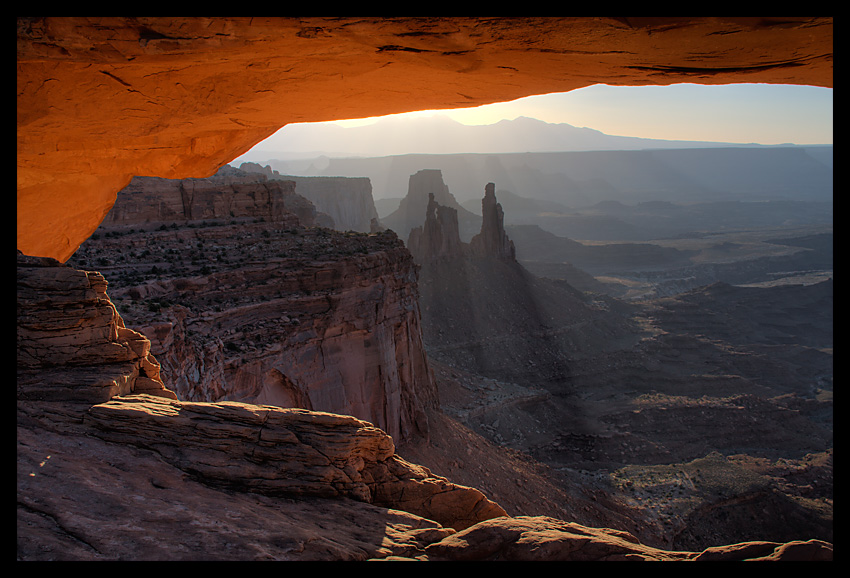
(72, 344)
(103, 99)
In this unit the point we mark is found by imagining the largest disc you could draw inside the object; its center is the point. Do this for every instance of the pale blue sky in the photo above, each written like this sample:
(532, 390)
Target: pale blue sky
(738, 113)
(765, 114)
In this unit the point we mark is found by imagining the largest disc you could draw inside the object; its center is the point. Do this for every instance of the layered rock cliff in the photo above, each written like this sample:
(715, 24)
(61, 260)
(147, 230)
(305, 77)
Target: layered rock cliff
(228, 194)
(264, 312)
(72, 345)
(347, 200)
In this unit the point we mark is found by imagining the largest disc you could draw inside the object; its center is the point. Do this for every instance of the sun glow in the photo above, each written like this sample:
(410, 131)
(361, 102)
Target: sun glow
(744, 113)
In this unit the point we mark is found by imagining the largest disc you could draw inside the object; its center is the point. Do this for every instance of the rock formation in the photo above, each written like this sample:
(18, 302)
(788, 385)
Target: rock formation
(96, 88)
(183, 480)
(179, 97)
(492, 241)
(545, 539)
(228, 194)
(346, 200)
(287, 452)
(143, 477)
(72, 343)
(268, 312)
(438, 238)
(228, 481)
(422, 186)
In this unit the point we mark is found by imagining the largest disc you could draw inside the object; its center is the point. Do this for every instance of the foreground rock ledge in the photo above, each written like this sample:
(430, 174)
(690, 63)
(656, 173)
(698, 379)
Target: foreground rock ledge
(148, 478)
(287, 452)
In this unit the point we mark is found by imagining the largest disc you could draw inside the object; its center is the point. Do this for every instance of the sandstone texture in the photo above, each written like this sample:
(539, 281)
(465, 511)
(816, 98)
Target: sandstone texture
(103, 99)
(266, 311)
(68, 329)
(438, 239)
(184, 480)
(287, 452)
(229, 481)
(531, 539)
(115, 463)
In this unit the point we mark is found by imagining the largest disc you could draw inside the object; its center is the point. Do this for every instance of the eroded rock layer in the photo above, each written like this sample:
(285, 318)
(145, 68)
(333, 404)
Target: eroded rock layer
(229, 194)
(260, 312)
(72, 344)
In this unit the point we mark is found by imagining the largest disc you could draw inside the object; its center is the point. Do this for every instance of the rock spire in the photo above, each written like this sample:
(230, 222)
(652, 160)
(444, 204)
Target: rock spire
(439, 237)
(492, 241)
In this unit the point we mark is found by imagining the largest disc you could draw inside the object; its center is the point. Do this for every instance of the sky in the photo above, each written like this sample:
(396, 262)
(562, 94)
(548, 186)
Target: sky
(735, 113)
(741, 113)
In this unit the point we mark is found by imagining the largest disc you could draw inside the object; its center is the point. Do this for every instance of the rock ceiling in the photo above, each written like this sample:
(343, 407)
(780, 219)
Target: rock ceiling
(103, 99)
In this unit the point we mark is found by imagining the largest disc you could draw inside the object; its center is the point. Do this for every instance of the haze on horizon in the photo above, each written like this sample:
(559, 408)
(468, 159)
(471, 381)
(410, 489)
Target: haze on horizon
(763, 114)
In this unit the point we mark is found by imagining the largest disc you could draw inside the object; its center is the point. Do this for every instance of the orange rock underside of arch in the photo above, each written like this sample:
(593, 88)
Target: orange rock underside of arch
(103, 99)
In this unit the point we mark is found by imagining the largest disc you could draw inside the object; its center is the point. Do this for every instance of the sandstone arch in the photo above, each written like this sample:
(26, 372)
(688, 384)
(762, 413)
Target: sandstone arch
(100, 100)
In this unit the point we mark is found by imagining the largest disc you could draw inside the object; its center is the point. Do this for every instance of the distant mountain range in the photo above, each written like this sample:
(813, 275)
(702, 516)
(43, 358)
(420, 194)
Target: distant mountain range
(442, 135)
(571, 166)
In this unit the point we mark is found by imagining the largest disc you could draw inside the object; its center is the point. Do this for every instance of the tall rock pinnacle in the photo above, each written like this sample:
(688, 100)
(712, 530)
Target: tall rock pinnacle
(438, 237)
(492, 241)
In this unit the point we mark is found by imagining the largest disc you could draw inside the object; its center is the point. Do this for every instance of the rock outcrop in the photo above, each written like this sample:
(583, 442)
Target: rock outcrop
(492, 241)
(438, 238)
(157, 479)
(424, 188)
(540, 539)
(69, 330)
(346, 200)
(229, 194)
(111, 466)
(289, 453)
(262, 311)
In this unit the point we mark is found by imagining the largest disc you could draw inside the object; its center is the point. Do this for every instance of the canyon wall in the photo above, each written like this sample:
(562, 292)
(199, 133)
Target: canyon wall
(265, 312)
(347, 200)
(228, 194)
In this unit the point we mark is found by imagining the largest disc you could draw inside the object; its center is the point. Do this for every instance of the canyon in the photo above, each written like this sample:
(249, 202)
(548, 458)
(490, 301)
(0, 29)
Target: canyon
(556, 403)
(275, 388)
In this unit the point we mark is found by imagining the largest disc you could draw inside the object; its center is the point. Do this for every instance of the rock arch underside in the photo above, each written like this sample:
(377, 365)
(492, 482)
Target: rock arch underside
(100, 100)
